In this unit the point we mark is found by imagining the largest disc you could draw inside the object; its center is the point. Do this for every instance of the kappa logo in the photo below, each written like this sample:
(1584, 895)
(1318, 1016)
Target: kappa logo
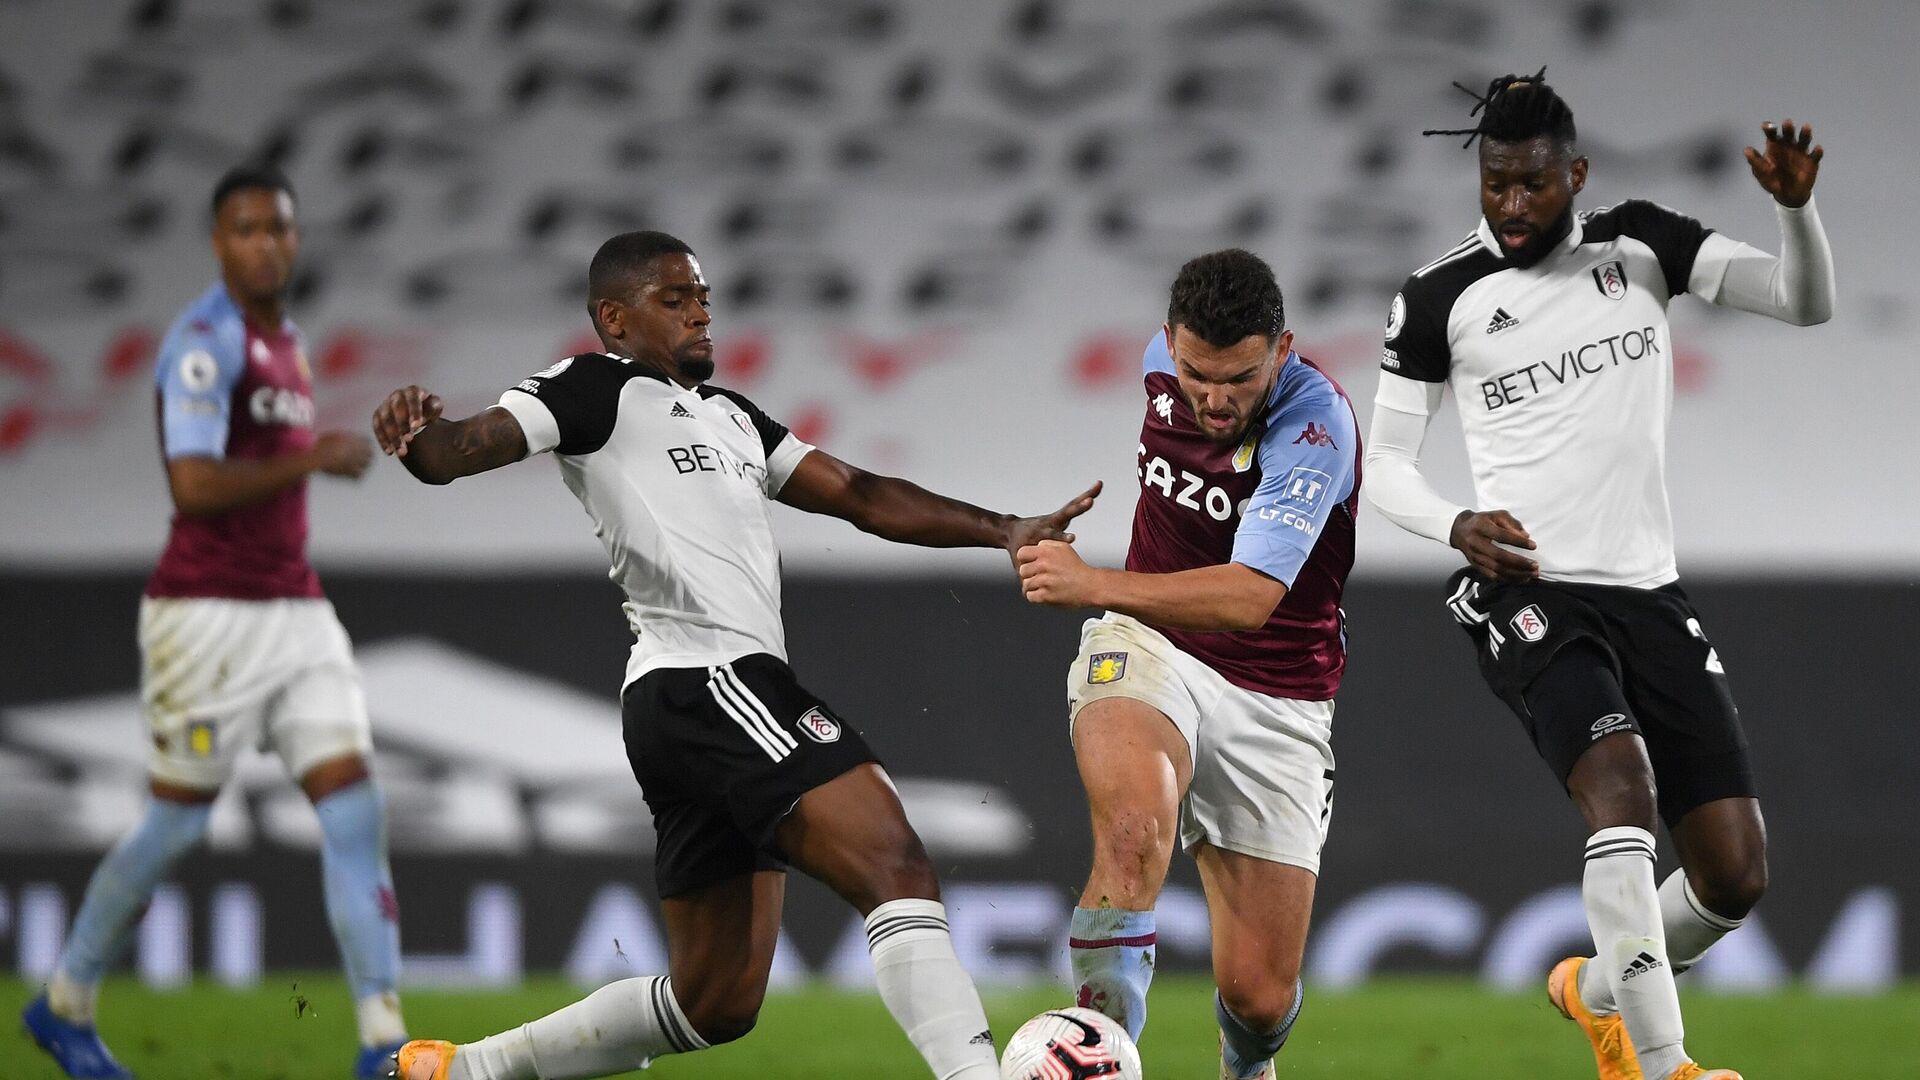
(1530, 623)
(1164, 406)
(260, 353)
(1315, 435)
(815, 724)
(1106, 667)
(1501, 321)
(1641, 965)
(680, 410)
(1610, 278)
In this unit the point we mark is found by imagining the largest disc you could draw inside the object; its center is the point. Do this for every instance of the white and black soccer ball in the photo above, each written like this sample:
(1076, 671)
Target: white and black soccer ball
(1070, 1044)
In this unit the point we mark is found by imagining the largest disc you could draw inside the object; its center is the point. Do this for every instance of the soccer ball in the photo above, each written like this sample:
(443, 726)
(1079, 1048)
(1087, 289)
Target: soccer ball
(1070, 1044)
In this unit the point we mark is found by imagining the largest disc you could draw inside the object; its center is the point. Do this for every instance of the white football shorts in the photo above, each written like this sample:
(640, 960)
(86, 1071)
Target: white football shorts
(1262, 765)
(221, 675)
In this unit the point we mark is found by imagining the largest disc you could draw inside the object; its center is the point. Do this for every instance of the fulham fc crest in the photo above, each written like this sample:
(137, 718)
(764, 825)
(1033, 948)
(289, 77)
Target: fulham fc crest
(818, 726)
(1530, 623)
(1611, 279)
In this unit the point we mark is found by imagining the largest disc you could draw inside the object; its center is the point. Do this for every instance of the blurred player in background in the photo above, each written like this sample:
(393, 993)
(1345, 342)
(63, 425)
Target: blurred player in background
(1202, 703)
(239, 646)
(1552, 329)
(745, 770)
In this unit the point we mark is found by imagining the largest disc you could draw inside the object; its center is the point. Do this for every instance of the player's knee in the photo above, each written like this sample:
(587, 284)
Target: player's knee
(1615, 790)
(1732, 891)
(726, 1021)
(895, 871)
(1261, 1000)
(1132, 848)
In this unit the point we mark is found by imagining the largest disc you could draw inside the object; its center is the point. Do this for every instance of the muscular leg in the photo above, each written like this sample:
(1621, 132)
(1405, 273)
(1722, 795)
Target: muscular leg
(1260, 911)
(852, 834)
(1723, 860)
(359, 891)
(720, 943)
(1135, 766)
(173, 824)
(1612, 783)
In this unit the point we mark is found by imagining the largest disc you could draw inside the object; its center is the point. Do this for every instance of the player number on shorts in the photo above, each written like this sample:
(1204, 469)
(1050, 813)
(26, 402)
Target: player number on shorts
(1713, 654)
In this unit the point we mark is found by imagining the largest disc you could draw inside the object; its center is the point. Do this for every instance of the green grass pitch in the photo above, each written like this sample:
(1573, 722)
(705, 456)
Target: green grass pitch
(1426, 1029)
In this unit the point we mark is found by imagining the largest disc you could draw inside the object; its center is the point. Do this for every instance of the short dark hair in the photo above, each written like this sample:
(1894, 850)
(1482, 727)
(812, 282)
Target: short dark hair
(624, 260)
(1224, 296)
(1516, 108)
(257, 176)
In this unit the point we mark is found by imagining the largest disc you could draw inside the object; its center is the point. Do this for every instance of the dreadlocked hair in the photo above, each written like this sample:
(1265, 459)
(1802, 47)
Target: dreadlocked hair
(1515, 108)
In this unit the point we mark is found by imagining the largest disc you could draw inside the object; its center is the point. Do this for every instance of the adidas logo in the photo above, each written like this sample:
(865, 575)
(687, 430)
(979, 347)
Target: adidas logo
(985, 1038)
(1640, 966)
(1501, 321)
(680, 410)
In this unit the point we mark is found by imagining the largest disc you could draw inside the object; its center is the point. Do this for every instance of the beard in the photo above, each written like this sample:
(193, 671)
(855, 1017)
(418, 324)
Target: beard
(1540, 244)
(694, 368)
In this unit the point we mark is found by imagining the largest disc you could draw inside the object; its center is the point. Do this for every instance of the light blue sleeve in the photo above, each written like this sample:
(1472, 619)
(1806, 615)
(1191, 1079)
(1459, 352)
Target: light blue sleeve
(196, 374)
(1306, 470)
(1157, 358)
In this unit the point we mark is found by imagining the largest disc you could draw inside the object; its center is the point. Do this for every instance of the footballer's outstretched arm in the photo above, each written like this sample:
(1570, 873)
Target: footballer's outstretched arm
(906, 513)
(1230, 596)
(436, 450)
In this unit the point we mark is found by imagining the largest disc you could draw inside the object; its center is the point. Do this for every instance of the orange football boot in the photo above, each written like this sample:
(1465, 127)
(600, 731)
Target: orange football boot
(1691, 1071)
(1612, 1050)
(423, 1059)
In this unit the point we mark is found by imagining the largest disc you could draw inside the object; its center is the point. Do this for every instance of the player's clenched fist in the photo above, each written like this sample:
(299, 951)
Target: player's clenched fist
(1480, 537)
(342, 453)
(1052, 573)
(402, 415)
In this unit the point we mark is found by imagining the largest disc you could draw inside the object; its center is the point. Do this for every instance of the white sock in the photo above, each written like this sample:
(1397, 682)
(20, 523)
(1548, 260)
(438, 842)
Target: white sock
(380, 1022)
(928, 992)
(1691, 930)
(1623, 911)
(72, 1001)
(620, 1027)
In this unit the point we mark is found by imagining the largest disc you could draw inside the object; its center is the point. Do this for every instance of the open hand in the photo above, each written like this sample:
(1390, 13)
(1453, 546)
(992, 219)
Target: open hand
(342, 453)
(402, 415)
(1052, 573)
(1789, 163)
(1479, 537)
(1024, 532)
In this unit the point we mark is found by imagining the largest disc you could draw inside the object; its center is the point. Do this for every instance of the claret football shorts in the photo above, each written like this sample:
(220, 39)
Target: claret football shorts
(1262, 765)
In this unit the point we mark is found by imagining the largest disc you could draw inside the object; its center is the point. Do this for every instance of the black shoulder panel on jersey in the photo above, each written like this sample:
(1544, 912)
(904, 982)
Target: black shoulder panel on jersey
(583, 394)
(772, 431)
(1417, 325)
(1674, 237)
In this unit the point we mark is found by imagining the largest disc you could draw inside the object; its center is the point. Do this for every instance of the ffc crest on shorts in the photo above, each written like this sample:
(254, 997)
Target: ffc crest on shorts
(1530, 623)
(815, 724)
(1106, 667)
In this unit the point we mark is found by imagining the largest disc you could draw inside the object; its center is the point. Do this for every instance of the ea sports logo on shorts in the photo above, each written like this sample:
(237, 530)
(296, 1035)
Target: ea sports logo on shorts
(818, 726)
(1530, 623)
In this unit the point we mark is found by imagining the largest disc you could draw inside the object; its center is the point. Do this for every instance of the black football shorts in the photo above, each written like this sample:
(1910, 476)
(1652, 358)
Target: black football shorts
(1624, 659)
(722, 754)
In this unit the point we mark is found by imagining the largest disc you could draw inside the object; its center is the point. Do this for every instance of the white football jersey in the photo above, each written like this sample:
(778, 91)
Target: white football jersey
(677, 483)
(1563, 374)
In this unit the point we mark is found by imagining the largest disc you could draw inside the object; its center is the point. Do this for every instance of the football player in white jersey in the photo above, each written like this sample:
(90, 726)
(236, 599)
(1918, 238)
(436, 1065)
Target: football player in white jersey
(1551, 328)
(745, 770)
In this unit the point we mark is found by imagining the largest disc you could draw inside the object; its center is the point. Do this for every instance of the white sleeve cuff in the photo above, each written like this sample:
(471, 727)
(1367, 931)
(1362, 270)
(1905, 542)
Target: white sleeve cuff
(536, 420)
(785, 458)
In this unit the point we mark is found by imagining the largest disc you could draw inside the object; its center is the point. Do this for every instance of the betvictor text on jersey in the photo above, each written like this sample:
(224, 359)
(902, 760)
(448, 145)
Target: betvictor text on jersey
(1592, 358)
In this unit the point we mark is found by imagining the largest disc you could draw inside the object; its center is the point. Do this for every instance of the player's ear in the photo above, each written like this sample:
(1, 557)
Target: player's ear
(608, 315)
(1167, 329)
(1579, 173)
(1283, 344)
